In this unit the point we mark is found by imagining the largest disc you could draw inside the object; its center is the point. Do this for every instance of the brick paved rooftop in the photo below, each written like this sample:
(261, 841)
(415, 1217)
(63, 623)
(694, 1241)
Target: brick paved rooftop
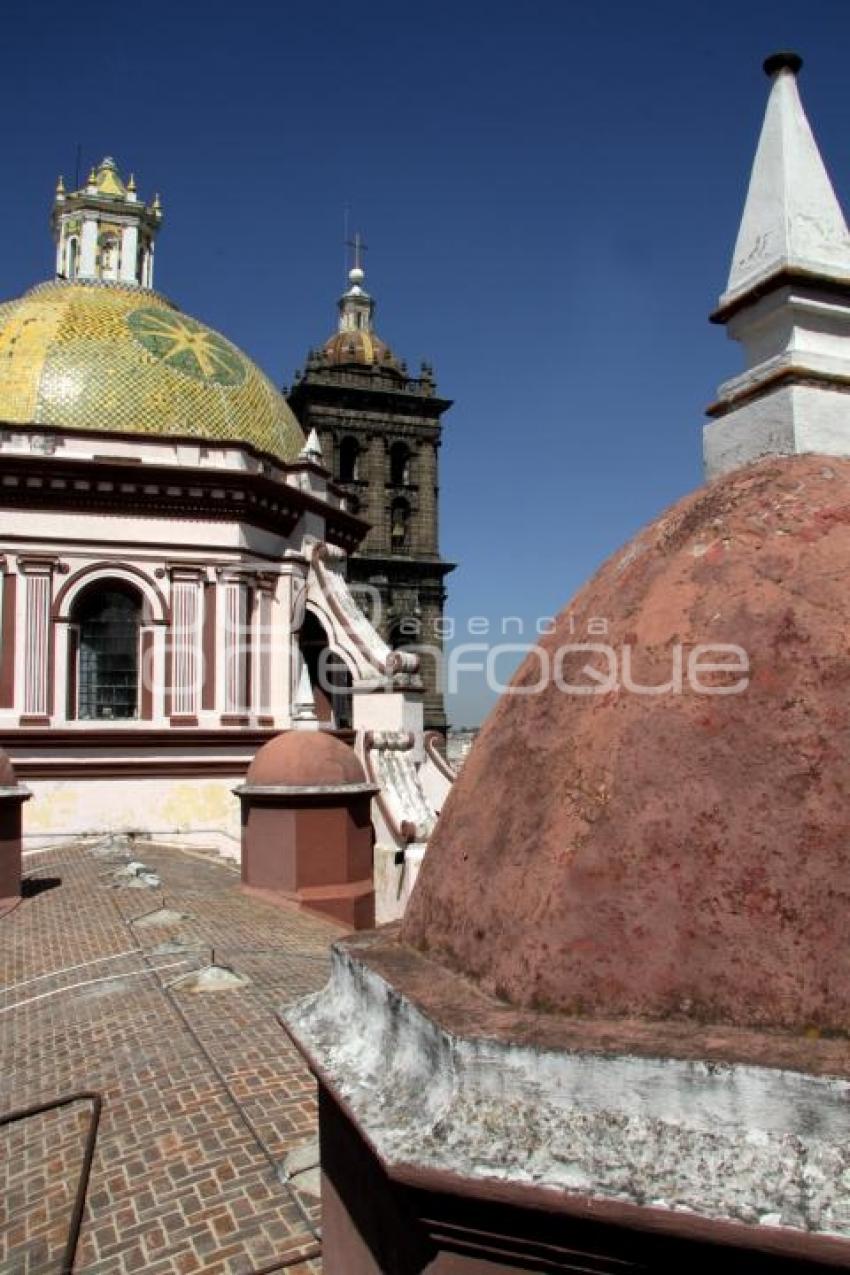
(204, 1097)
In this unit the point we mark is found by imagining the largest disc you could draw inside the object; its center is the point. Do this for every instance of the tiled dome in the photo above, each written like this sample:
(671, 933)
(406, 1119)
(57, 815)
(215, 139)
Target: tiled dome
(359, 347)
(123, 359)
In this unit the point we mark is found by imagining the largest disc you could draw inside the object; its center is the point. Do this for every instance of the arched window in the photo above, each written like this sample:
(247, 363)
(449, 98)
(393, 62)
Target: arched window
(107, 618)
(349, 457)
(71, 256)
(399, 524)
(329, 676)
(109, 257)
(399, 464)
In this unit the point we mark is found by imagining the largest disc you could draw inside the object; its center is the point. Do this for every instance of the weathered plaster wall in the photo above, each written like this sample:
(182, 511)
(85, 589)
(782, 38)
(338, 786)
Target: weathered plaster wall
(755, 1144)
(201, 812)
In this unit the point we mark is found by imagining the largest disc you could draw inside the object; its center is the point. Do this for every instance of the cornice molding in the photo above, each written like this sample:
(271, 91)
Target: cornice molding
(807, 281)
(164, 491)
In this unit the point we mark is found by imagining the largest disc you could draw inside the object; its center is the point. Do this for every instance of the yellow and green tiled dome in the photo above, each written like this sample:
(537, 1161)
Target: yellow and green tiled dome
(124, 360)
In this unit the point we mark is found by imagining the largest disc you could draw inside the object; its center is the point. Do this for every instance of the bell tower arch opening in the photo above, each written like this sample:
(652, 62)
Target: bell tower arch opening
(349, 460)
(399, 465)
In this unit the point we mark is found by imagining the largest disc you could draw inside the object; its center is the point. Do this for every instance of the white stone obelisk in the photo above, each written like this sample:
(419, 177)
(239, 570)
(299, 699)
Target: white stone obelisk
(787, 300)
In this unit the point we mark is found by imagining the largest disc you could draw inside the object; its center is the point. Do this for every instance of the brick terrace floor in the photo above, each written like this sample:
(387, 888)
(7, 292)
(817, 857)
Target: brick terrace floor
(203, 1094)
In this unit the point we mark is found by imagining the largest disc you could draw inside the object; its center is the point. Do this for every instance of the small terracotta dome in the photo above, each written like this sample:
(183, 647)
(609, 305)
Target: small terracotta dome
(359, 347)
(8, 778)
(305, 758)
(678, 854)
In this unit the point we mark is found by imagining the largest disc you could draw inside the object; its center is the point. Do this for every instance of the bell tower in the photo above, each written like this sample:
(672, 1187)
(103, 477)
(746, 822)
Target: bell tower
(380, 430)
(103, 232)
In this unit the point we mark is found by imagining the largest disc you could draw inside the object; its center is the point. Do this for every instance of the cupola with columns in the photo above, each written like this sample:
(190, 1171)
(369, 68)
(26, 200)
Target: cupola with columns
(356, 307)
(355, 344)
(103, 231)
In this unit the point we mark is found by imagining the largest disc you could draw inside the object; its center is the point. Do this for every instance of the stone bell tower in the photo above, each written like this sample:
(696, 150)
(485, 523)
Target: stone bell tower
(103, 231)
(380, 431)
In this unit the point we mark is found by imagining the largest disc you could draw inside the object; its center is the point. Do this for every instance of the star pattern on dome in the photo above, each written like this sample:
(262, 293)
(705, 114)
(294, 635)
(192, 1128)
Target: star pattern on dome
(187, 346)
(74, 356)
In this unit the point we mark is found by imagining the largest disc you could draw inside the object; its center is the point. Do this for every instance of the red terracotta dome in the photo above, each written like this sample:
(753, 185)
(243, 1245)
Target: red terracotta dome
(676, 854)
(8, 778)
(306, 759)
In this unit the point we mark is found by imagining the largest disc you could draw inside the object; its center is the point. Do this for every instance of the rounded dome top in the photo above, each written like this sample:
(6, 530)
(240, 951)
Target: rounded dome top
(361, 347)
(611, 851)
(305, 759)
(121, 359)
(8, 778)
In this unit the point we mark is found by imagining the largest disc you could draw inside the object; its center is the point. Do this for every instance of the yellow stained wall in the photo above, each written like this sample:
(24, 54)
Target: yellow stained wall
(200, 812)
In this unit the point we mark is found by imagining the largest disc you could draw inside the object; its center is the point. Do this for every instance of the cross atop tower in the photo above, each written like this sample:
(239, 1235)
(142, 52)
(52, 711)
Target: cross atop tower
(359, 247)
(356, 307)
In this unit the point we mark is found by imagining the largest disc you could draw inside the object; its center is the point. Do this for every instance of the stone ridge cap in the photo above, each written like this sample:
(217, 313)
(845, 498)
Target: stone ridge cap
(461, 1009)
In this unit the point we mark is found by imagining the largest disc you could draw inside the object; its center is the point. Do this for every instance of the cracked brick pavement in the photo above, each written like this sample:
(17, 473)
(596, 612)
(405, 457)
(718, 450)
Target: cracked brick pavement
(203, 1094)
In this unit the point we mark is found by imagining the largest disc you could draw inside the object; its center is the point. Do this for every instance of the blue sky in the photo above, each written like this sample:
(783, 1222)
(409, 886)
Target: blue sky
(550, 192)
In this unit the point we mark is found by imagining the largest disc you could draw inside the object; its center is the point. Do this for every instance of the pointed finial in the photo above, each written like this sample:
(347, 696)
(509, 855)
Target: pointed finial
(312, 449)
(785, 60)
(60, 187)
(131, 184)
(157, 204)
(792, 263)
(304, 706)
(792, 218)
(93, 176)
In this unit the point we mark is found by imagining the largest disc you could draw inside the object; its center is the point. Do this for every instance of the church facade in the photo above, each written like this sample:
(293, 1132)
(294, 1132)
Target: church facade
(173, 553)
(380, 430)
